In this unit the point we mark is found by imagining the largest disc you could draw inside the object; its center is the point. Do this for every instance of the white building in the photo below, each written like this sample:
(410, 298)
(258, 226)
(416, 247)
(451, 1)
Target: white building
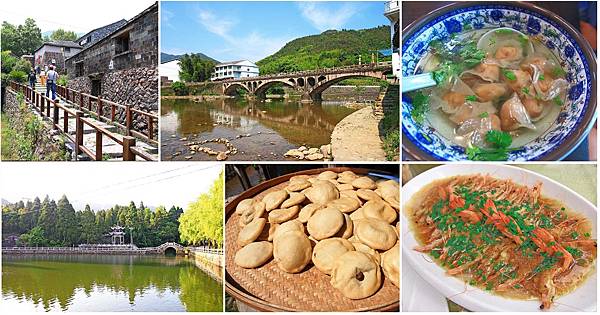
(392, 12)
(169, 70)
(234, 70)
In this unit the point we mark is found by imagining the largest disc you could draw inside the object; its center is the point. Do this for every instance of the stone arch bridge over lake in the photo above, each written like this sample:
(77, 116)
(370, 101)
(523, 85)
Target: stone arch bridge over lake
(310, 83)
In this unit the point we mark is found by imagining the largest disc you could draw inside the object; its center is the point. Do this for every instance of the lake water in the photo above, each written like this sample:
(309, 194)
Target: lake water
(273, 127)
(107, 283)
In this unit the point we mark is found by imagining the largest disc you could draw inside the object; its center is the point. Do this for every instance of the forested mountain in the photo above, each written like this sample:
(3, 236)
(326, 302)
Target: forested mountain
(164, 57)
(56, 223)
(329, 49)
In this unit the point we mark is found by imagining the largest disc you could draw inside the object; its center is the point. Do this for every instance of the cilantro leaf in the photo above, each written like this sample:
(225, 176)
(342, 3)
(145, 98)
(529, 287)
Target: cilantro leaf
(499, 139)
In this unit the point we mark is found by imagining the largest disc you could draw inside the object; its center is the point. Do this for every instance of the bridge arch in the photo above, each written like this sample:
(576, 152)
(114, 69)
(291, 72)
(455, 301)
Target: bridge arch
(322, 85)
(261, 90)
(231, 89)
(170, 248)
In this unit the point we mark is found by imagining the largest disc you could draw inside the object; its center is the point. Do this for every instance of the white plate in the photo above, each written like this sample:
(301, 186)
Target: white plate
(418, 295)
(472, 298)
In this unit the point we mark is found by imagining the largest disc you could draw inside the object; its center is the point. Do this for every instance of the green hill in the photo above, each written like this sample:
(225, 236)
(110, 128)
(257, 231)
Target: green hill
(164, 57)
(329, 49)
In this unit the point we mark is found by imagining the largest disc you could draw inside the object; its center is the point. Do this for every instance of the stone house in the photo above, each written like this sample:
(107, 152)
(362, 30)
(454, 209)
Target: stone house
(95, 35)
(55, 52)
(121, 66)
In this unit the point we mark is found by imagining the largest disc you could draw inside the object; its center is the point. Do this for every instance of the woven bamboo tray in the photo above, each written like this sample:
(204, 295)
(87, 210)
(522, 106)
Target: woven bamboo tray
(269, 289)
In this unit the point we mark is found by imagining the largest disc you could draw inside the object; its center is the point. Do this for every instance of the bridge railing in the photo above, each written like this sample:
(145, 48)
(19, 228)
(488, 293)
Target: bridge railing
(69, 249)
(362, 67)
(85, 100)
(49, 109)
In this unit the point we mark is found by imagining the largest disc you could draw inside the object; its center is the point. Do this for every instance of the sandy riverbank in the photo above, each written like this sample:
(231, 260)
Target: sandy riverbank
(356, 138)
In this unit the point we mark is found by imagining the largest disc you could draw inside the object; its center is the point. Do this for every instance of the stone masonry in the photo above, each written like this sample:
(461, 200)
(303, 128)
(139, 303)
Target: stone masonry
(126, 76)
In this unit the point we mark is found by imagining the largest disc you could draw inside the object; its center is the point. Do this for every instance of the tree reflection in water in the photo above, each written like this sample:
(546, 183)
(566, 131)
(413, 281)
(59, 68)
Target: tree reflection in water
(91, 283)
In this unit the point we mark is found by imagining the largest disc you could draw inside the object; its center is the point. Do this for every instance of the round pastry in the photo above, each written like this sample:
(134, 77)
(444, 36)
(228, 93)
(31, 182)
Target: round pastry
(367, 194)
(292, 225)
(307, 211)
(327, 175)
(344, 204)
(346, 177)
(379, 210)
(294, 199)
(364, 182)
(360, 247)
(356, 275)
(357, 215)
(256, 211)
(341, 187)
(251, 231)
(292, 251)
(273, 199)
(282, 215)
(351, 194)
(390, 262)
(298, 185)
(347, 229)
(322, 192)
(375, 233)
(244, 205)
(254, 255)
(299, 178)
(327, 251)
(325, 223)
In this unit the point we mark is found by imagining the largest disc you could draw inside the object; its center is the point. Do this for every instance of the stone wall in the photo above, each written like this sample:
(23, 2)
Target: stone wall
(46, 147)
(58, 57)
(136, 87)
(344, 92)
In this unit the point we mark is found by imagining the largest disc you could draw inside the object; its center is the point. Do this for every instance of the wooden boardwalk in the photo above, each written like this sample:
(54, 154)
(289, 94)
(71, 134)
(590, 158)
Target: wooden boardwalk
(91, 134)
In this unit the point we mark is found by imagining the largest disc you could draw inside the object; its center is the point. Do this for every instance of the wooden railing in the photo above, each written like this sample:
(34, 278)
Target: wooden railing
(50, 109)
(84, 101)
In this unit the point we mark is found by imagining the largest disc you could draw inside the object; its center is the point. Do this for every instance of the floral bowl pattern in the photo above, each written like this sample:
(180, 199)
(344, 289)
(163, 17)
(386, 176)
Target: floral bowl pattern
(576, 56)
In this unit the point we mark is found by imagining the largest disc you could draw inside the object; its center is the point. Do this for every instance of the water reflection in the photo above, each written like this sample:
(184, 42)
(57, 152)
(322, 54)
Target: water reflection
(107, 283)
(275, 127)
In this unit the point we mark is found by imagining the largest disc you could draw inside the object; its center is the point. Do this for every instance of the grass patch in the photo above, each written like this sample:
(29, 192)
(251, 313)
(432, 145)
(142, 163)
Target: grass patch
(390, 125)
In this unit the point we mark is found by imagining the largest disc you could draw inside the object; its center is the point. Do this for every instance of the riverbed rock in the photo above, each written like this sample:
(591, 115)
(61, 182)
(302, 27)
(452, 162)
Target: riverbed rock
(221, 156)
(326, 150)
(314, 156)
(313, 150)
(295, 153)
(302, 148)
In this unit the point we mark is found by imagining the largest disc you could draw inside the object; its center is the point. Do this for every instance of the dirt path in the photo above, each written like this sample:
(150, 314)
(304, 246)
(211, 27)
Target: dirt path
(356, 138)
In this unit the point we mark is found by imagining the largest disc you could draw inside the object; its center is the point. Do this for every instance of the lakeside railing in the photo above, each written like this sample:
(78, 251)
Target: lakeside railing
(207, 250)
(85, 102)
(344, 69)
(49, 109)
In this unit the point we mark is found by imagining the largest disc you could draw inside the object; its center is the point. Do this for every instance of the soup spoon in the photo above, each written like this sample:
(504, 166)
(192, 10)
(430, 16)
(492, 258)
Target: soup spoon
(417, 82)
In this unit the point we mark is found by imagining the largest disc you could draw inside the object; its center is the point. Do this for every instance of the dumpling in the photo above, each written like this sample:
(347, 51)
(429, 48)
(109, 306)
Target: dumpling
(486, 70)
(513, 115)
(488, 92)
(472, 131)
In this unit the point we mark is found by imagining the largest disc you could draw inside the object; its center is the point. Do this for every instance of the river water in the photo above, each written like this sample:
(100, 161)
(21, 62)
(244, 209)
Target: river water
(107, 283)
(273, 127)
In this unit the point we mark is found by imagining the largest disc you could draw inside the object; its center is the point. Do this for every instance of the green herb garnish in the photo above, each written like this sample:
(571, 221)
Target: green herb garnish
(471, 98)
(558, 72)
(420, 107)
(577, 253)
(541, 77)
(499, 139)
(484, 115)
(558, 101)
(525, 90)
(509, 75)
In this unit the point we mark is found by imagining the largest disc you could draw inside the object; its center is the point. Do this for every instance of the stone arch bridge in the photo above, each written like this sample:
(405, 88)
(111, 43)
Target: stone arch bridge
(162, 249)
(311, 83)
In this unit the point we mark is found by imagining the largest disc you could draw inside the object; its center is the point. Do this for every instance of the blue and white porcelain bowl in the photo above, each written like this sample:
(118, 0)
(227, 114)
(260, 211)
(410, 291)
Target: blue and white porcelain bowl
(568, 45)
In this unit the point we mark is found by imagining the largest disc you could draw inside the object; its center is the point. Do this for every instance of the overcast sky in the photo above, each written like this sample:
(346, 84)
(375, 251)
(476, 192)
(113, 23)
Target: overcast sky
(104, 184)
(72, 15)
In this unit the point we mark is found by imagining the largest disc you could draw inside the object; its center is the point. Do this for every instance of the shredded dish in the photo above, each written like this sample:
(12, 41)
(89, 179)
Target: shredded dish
(503, 237)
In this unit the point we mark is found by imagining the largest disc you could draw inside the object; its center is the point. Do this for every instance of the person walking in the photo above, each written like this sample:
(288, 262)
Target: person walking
(32, 78)
(51, 84)
(43, 77)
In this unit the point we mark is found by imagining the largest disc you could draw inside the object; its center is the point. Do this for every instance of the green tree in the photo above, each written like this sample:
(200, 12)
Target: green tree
(194, 68)
(61, 34)
(87, 221)
(35, 237)
(203, 220)
(48, 219)
(22, 39)
(66, 225)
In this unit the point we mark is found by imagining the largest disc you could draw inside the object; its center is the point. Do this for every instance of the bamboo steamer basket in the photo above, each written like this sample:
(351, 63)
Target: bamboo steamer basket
(268, 288)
